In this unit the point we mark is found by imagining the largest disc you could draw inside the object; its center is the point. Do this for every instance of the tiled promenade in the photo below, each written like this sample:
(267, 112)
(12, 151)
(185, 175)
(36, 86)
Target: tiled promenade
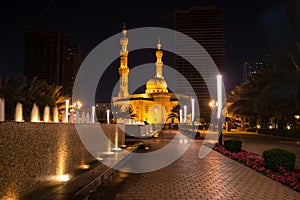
(214, 177)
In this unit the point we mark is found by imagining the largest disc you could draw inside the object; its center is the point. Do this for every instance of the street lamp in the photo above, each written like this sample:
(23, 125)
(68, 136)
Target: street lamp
(184, 115)
(213, 104)
(193, 112)
(219, 107)
(67, 111)
(93, 114)
(107, 116)
(180, 116)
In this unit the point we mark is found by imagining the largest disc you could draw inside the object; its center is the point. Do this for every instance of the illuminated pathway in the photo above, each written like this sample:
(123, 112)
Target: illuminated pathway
(214, 177)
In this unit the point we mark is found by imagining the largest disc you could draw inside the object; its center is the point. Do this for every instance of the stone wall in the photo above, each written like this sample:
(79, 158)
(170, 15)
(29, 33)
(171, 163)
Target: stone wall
(35, 153)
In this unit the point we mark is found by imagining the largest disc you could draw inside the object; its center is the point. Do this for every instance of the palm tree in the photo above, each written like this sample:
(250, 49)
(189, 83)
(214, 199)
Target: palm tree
(122, 113)
(116, 110)
(13, 90)
(36, 88)
(282, 94)
(128, 112)
(52, 96)
(274, 93)
(174, 112)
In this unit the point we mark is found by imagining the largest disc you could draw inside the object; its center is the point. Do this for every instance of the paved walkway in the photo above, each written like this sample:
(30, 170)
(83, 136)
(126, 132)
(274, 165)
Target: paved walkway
(213, 177)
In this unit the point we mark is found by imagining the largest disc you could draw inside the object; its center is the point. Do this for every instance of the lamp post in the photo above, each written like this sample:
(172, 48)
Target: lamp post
(93, 114)
(184, 115)
(180, 117)
(219, 107)
(2, 109)
(67, 111)
(107, 116)
(213, 104)
(193, 112)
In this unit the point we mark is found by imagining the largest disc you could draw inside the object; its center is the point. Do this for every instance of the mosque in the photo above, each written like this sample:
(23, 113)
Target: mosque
(156, 103)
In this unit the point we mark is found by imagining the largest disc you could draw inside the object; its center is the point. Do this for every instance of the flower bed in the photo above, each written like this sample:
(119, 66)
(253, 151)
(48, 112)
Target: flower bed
(256, 162)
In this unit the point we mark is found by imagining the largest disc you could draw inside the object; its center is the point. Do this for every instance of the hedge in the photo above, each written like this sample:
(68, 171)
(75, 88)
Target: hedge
(275, 158)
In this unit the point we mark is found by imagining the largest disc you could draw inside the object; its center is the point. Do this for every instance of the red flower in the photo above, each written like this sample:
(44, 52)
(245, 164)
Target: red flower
(269, 171)
(255, 161)
(282, 179)
(282, 169)
(261, 169)
(297, 187)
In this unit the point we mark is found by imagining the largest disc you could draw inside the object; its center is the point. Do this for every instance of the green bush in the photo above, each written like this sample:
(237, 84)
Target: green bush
(251, 130)
(293, 133)
(274, 158)
(233, 145)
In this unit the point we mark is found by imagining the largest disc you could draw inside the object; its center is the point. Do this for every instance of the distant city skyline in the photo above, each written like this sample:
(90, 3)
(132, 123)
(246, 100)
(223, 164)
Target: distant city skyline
(253, 28)
(48, 55)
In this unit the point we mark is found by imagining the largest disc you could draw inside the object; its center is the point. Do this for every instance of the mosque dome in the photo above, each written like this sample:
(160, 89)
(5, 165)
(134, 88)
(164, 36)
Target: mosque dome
(156, 85)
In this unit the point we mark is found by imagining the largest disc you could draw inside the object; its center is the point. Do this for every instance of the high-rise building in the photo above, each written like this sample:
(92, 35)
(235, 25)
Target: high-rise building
(73, 64)
(48, 56)
(206, 26)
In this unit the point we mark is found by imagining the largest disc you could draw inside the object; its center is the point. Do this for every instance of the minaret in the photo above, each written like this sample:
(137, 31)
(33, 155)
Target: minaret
(158, 83)
(123, 70)
(159, 62)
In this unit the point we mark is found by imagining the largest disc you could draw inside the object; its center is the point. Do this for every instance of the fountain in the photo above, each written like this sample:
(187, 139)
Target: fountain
(55, 115)
(2, 109)
(35, 114)
(46, 117)
(19, 113)
(64, 116)
(87, 118)
(77, 116)
(116, 148)
(83, 117)
(109, 152)
(71, 118)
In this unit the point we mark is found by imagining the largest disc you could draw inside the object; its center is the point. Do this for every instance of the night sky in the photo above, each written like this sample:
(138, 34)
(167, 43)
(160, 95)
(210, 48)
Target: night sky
(253, 28)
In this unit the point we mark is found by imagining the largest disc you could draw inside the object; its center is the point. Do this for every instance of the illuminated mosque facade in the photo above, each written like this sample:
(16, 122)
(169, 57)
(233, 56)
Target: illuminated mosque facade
(156, 103)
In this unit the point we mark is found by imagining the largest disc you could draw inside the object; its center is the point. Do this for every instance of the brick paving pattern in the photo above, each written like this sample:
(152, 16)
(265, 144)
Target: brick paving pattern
(214, 177)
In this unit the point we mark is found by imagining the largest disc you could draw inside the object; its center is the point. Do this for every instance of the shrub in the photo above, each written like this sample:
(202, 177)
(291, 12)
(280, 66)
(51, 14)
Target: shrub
(142, 146)
(276, 158)
(293, 133)
(251, 130)
(233, 145)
